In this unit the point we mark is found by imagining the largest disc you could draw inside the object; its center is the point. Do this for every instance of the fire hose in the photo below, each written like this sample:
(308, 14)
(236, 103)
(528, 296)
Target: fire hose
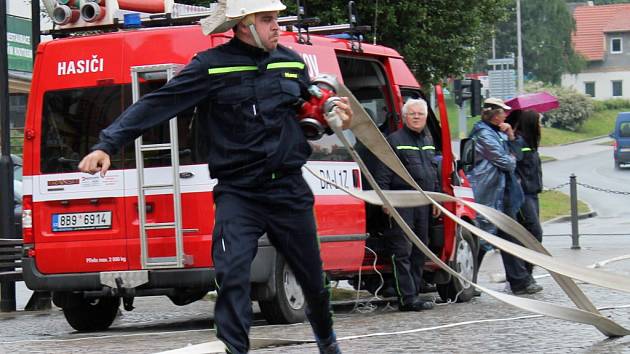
(366, 131)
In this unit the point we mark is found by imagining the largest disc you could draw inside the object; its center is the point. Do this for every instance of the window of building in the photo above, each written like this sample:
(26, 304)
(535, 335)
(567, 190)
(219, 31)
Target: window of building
(617, 89)
(589, 88)
(615, 45)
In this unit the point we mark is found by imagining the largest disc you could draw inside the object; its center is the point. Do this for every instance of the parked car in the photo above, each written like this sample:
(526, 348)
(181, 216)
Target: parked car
(621, 134)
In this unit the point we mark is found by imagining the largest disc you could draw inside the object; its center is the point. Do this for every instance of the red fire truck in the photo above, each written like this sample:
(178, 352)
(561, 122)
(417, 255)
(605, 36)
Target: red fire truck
(95, 242)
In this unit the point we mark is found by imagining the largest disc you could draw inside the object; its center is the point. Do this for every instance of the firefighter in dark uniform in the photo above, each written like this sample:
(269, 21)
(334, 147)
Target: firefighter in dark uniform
(247, 93)
(413, 144)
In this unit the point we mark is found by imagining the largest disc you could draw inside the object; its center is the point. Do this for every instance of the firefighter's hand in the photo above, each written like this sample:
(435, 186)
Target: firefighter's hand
(344, 112)
(436, 212)
(96, 161)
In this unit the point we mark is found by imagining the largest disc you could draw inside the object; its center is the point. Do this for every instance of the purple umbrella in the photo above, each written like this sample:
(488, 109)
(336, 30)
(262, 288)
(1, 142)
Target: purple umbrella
(540, 102)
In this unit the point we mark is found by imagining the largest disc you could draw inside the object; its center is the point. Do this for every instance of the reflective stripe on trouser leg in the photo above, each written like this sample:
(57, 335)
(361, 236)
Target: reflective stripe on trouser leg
(235, 240)
(398, 245)
(421, 221)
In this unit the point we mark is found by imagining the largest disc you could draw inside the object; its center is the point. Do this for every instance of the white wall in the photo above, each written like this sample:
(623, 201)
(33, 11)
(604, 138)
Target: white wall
(603, 83)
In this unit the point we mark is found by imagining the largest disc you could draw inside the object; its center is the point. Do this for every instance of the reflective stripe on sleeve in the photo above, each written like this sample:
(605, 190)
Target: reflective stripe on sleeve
(415, 148)
(526, 149)
(231, 69)
(286, 65)
(406, 147)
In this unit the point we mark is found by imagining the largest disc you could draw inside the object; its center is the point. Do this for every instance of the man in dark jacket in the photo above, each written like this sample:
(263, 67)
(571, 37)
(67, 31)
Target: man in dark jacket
(413, 144)
(246, 92)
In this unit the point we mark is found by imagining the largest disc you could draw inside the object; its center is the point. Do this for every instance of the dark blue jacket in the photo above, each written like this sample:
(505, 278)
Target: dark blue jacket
(529, 168)
(417, 153)
(247, 101)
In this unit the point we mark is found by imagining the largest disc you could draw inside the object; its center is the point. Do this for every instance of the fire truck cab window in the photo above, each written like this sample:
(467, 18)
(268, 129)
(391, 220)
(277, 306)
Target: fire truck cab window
(73, 119)
(366, 80)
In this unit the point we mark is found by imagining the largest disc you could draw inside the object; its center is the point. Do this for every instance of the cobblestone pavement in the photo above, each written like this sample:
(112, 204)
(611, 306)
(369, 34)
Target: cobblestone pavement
(483, 325)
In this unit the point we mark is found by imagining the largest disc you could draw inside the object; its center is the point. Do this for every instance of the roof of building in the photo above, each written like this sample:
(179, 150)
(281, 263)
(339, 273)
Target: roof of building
(619, 23)
(591, 24)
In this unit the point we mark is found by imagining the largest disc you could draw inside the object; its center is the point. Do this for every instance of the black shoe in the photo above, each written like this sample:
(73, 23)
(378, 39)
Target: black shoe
(332, 348)
(328, 346)
(427, 287)
(388, 292)
(476, 293)
(416, 306)
(531, 288)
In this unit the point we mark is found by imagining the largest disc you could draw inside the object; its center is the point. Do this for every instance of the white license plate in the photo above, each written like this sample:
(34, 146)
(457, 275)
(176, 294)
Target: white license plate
(624, 150)
(82, 221)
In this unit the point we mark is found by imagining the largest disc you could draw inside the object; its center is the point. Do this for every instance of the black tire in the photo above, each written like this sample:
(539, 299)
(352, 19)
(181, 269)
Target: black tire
(617, 165)
(465, 263)
(89, 315)
(288, 305)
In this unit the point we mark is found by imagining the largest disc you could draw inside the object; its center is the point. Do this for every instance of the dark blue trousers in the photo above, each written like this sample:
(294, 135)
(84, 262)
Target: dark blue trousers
(529, 217)
(408, 265)
(283, 208)
(515, 268)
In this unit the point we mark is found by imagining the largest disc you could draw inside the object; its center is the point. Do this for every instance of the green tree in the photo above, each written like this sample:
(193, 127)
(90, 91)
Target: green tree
(438, 38)
(546, 34)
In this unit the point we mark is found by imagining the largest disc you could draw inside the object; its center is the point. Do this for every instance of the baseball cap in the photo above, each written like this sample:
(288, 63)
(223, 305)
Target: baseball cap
(493, 101)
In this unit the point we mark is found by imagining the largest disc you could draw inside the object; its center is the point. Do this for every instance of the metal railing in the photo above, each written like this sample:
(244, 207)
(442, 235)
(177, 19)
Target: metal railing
(575, 216)
(10, 272)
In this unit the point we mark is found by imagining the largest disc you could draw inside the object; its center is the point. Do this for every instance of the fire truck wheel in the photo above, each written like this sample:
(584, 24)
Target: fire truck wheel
(288, 305)
(465, 264)
(88, 315)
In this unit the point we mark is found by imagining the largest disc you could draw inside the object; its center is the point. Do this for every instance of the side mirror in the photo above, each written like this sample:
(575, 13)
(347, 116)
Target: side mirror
(466, 155)
(612, 135)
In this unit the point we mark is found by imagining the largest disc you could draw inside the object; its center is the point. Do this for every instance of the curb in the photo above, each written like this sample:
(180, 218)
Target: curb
(565, 218)
(582, 141)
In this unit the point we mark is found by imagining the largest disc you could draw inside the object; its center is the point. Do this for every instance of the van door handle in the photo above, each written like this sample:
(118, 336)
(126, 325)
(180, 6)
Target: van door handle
(186, 175)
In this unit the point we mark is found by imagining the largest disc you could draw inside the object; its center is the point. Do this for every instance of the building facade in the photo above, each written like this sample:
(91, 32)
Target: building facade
(602, 36)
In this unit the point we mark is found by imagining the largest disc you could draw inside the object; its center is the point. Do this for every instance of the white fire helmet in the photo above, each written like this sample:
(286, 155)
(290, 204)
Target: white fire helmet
(228, 13)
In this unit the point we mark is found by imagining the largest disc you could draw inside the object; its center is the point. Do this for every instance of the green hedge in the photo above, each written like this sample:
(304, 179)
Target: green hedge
(612, 104)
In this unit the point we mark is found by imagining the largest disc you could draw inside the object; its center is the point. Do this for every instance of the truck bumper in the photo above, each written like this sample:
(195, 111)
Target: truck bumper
(202, 278)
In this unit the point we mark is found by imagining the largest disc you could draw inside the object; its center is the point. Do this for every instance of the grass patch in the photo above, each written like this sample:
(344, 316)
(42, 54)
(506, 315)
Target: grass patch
(599, 124)
(554, 204)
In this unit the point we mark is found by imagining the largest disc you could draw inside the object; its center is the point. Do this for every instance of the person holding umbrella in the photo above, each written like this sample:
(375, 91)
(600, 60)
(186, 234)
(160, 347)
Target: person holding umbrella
(526, 125)
(525, 118)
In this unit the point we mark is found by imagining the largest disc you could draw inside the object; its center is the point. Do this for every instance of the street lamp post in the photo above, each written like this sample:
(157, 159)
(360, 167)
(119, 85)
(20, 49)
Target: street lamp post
(7, 229)
(6, 164)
